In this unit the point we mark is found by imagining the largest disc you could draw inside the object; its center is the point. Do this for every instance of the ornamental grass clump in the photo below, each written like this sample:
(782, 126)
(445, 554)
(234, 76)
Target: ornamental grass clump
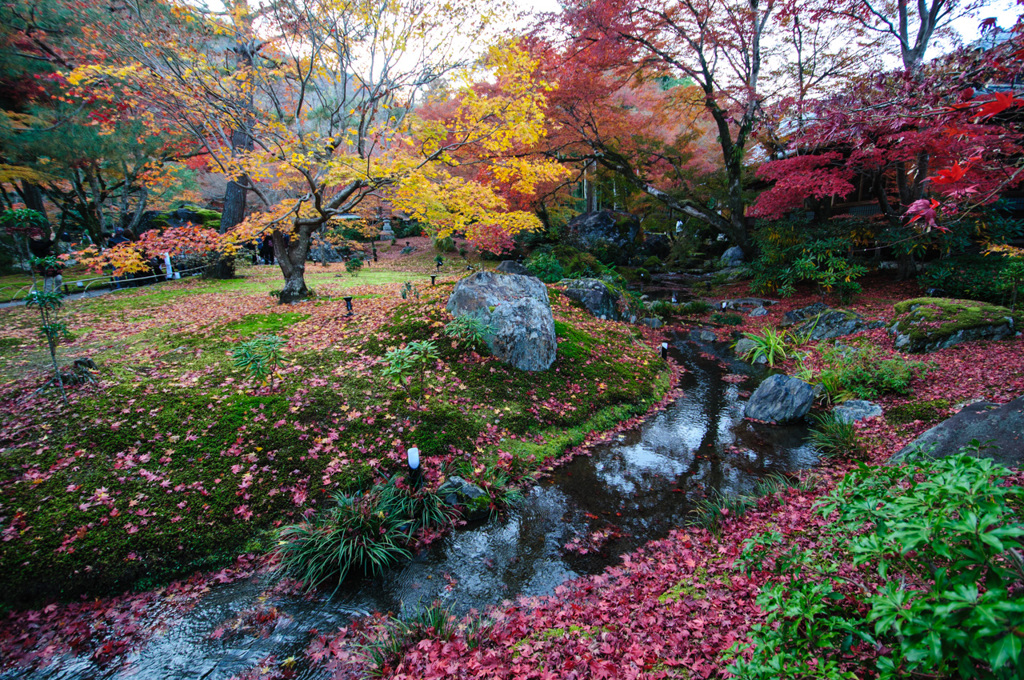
(363, 534)
(770, 345)
(834, 436)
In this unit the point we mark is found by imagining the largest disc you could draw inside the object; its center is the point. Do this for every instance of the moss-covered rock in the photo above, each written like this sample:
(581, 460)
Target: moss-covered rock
(929, 324)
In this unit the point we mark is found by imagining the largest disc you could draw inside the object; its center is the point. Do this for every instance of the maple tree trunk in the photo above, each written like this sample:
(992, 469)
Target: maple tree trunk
(235, 194)
(32, 196)
(291, 254)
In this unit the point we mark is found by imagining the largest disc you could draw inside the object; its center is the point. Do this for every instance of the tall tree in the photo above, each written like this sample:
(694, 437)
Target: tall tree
(327, 102)
(730, 51)
(901, 136)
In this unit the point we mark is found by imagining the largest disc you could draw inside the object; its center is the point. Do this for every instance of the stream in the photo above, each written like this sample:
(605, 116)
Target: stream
(628, 492)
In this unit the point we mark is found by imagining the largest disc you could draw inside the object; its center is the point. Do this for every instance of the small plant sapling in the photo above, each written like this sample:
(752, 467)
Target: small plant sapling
(52, 328)
(408, 365)
(470, 330)
(260, 356)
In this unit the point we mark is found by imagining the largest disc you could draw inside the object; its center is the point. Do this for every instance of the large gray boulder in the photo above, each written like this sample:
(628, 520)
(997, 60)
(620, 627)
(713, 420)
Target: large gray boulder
(610, 233)
(930, 324)
(797, 315)
(834, 323)
(512, 267)
(780, 399)
(732, 257)
(856, 409)
(518, 312)
(999, 426)
(595, 296)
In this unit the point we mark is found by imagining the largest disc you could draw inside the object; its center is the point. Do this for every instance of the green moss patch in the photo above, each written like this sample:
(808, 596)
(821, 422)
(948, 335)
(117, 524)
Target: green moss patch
(924, 319)
(925, 411)
(258, 324)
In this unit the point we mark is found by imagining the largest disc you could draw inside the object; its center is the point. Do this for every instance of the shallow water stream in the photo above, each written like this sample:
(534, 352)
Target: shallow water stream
(627, 493)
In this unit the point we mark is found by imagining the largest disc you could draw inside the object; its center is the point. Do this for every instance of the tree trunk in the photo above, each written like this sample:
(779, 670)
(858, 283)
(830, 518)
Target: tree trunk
(291, 257)
(236, 193)
(32, 196)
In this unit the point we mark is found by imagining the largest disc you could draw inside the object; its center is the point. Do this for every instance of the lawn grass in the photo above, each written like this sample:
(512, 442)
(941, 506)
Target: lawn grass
(176, 461)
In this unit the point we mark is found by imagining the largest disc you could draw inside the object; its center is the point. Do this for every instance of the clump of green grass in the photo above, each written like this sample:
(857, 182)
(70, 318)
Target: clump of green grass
(363, 533)
(711, 510)
(834, 436)
(433, 622)
(771, 345)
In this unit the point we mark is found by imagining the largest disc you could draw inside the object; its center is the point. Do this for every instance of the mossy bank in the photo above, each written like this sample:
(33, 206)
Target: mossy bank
(176, 461)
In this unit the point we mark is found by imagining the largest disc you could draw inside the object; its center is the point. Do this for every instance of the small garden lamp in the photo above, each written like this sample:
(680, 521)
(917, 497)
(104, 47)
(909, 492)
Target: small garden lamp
(664, 350)
(433, 279)
(348, 304)
(415, 474)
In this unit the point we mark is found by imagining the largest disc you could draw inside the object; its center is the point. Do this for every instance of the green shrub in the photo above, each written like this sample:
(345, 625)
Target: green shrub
(407, 366)
(728, 318)
(469, 330)
(969, 277)
(695, 308)
(948, 525)
(363, 534)
(259, 356)
(863, 373)
(353, 265)
(545, 267)
(444, 245)
(794, 251)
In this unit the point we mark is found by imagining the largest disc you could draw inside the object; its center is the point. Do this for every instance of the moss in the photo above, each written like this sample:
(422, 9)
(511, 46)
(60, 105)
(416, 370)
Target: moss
(575, 344)
(686, 588)
(938, 318)
(178, 414)
(925, 411)
(255, 324)
(442, 427)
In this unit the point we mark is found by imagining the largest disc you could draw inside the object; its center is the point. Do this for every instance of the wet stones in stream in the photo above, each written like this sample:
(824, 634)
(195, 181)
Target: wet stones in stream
(780, 399)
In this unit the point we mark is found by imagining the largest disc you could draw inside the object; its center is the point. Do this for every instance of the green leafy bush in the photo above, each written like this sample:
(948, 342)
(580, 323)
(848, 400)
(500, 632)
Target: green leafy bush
(970, 277)
(863, 373)
(727, 318)
(353, 265)
(545, 267)
(407, 366)
(259, 356)
(938, 545)
(953, 523)
(794, 251)
(469, 330)
(444, 245)
(695, 308)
